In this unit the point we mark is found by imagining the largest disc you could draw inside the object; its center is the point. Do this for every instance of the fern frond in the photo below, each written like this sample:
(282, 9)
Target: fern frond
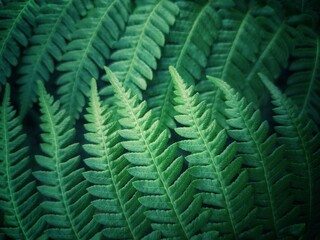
(301, 139)
(138, 49)
(16, 22)
(87, 52)
(168, 193)
(19, 200)
(265, 161)
(304, 83)
(67, 206)
(276, 47)
(116, 201)
(236, 47)
(55, 23)
(210, 161)
(187, 50)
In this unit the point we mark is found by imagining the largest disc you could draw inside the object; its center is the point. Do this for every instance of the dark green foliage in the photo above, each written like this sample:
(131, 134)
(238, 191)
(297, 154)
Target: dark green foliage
(19, 201)
(302, 142)
(176, 138)
(116, 201)
(67, 207)
(17, 19)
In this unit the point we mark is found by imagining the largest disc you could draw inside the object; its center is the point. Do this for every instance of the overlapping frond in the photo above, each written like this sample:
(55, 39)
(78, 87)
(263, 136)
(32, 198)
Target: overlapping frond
(265, 161)
(21, 215)
(55, 23)
(117, 205)
(236, 47)
(168, 193)
(16, 22)
(302, 141)
(210, 161)
(187, 50)
(137, 51)
(67, 205)
(304, 83)
(89, 49)
(274, 52)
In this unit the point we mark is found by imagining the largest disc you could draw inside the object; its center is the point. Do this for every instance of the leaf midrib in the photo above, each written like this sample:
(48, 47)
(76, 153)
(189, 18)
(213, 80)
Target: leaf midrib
(106, 149)
(57, 161)
(7, 161)
(213, 165)
(159, 172)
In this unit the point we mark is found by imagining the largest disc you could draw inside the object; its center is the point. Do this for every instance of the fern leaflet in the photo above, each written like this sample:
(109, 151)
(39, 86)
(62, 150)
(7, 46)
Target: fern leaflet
(210, 162)
(16, 22)
(19, 199)
(88, 51)
(187, 50)
(168, 191)
(265, 162)
(304, 83)
(117, 201)
(55, 23)
(137, 51)
(299, 135)
(67, 206)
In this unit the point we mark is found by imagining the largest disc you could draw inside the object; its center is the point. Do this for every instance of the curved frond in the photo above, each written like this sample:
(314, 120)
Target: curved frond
(117, 205)
(87, 52)
(138, 49)
(276, 46)
(302, 141)
(304, 83)
(265, 161)
(55, 23)
(19, 200)
(210, 154)
(236, 47)
(187, 50)
(67, 205)
(16, 22)
(168, 193)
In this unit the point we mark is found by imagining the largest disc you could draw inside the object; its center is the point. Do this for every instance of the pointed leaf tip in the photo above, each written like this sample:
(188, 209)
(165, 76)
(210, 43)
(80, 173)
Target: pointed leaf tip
(222, 85)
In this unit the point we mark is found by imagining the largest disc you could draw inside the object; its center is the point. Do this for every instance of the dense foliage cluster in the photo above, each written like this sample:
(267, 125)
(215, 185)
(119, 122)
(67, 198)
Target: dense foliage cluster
(159, 119)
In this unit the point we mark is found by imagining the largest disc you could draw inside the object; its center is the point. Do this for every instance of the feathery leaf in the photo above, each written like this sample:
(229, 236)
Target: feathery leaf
(67, 206)
(210, 161)
(302, 141)
(19, 199)
(265, 161)
(304, 83)
(16, 22)
(168, 193)
(87, 52)
(116, 201)
(55, 23)
(137, 51)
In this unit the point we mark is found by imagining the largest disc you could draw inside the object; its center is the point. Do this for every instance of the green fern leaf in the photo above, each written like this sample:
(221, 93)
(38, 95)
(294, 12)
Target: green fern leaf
(304, 83)
(168, 191)
(87, 52)
(55, 23)
(265, 162)
(276, 46)
(303, 149)
(139, 48)
(236, 34)
(116, 201)
(210, 161)
(19, 199)
(187, 50)
(67, 206)
(16, 22)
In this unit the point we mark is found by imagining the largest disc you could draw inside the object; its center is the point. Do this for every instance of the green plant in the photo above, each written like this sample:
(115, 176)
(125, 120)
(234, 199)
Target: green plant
(159, 119)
